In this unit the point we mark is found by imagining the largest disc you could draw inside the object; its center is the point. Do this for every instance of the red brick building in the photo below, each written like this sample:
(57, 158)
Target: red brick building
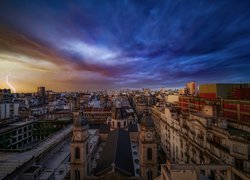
(231, 101)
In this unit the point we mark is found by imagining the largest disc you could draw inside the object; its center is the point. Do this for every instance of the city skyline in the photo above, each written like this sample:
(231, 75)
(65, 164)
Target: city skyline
(122, 44)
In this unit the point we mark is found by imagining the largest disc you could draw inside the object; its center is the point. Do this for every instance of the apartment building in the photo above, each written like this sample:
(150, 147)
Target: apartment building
(199, 138)
(233, 110)
(22, 136)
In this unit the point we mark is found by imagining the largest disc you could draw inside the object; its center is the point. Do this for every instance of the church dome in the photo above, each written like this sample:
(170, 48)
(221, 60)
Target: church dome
(146, 120)
(119, 113)
(80, 121)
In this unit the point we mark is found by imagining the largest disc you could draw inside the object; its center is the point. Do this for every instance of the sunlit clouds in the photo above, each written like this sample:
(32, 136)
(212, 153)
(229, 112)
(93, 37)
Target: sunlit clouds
(94, 53)
(76, 45)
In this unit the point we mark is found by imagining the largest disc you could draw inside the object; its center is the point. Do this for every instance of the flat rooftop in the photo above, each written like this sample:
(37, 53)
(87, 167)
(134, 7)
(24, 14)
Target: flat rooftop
(15, 125)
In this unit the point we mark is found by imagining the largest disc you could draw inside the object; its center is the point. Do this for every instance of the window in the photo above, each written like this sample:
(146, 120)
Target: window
(124, 123)
(19, 137)
(149, 153)
(77, 175)
(77, 153)
(13, 133)
(150, 175)
(118, 124)
(238, 149)
(87, 148)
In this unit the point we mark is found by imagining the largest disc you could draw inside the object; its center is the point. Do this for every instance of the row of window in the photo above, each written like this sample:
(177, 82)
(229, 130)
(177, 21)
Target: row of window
(119, 124)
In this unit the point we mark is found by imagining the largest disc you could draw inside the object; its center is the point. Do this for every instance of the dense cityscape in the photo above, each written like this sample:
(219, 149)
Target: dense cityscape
(199, 133)
(124, 89)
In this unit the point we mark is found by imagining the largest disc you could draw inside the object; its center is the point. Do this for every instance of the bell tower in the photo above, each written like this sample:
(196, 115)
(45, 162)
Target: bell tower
(79, 149)
(148, 148)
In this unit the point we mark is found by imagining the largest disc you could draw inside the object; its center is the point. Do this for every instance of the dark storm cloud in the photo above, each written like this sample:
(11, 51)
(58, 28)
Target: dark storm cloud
(134, 43)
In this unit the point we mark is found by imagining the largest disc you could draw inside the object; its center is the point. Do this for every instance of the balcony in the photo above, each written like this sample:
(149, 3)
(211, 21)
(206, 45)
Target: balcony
(219, 146)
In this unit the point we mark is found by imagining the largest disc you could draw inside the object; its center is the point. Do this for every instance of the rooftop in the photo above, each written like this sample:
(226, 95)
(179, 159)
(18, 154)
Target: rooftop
(117, 154)
(13, 126)
(119, 113)
(132, 128)
(104, 128)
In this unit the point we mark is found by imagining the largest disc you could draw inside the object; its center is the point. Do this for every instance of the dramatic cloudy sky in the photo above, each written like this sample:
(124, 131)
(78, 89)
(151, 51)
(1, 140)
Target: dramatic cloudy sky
(74, 45)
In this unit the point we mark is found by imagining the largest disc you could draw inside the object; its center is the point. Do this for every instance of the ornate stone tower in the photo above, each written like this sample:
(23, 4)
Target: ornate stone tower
(119, 118)
(79, 149)
(148, 148)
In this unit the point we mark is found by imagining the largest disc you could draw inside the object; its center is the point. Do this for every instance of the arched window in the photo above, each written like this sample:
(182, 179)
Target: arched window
(77, 153)
(113, 124)
(118, 124)
(77, 175)
(149, 153)
(124, 123)
(150, 175)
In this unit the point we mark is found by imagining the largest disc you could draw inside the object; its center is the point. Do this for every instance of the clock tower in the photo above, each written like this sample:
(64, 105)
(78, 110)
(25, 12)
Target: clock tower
(148, 148)
(79, 149)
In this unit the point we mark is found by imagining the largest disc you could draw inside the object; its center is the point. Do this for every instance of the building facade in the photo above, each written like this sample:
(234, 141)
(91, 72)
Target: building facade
(199, 138)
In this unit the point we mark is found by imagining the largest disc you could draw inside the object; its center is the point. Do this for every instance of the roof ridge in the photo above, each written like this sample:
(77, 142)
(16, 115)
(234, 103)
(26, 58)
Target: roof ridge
(117, 131)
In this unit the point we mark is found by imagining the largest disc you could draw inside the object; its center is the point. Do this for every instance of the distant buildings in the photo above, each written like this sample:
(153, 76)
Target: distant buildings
(127, 134)
(191, 88)
(41, 91)
(41, 94)
(143, 102)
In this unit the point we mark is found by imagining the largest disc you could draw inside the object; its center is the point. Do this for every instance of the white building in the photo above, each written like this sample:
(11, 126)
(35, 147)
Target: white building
(8, 110)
